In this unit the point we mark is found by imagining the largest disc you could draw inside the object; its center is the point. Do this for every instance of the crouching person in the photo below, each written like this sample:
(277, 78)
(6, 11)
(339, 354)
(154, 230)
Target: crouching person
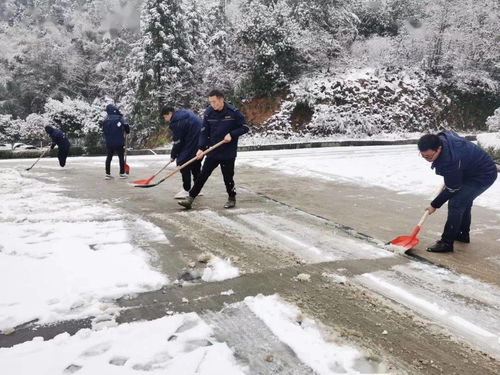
(186, 128)
(468, 171)
(60, 140)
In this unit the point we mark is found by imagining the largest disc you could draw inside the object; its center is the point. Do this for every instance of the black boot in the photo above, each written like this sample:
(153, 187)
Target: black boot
(441, 247)
(463, 237)
(187, 203)
(231, 202)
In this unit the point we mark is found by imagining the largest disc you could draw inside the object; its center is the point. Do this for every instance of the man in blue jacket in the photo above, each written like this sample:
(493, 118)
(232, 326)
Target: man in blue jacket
(59, 138)
(221, 121)
(468, 171)
(115, 129)
(186, 128)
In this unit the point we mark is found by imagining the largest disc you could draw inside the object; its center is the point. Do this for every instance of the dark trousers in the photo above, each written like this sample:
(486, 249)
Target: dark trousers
(62, 155)
(120, 151)
(186, 172)
(227, 168)
(459, 212)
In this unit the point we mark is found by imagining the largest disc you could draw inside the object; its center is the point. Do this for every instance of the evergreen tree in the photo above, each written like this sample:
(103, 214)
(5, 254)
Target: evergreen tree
(268, 37)
(166, 70)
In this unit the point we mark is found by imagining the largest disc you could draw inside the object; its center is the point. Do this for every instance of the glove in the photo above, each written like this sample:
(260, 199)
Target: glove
(52, 146)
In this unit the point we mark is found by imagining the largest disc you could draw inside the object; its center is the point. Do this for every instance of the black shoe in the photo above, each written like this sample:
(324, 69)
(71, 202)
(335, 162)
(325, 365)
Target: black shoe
(463, 237)
(440, 247)
(231, 202)
(187, 203)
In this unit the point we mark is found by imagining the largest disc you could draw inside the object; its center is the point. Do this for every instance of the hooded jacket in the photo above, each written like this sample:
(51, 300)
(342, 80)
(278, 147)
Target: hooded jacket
(58, 137)
(186, 128)
(461, 162)
(114, 127)
(216, 124)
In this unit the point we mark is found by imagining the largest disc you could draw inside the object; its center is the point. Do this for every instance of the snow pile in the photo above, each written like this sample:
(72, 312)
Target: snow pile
(493, 122)
(219, 269)
(491, 143)
(304, 337)
(359, 103)
(66, 258)
(179, 344)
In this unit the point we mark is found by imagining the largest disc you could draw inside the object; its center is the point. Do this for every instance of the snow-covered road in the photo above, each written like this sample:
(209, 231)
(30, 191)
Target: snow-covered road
(72, 245)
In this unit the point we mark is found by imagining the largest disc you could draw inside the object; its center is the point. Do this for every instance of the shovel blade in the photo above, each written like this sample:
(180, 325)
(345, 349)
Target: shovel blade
(407, 242)
(143, 182)
(127, 168)
(145, 185)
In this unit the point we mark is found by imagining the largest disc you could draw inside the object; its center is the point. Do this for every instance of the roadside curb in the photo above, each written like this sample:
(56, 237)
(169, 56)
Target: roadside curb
(295, 146)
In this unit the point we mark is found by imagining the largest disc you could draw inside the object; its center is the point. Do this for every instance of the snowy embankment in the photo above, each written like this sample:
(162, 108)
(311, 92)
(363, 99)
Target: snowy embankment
(397, 168)
(357, 104)
(63, 258)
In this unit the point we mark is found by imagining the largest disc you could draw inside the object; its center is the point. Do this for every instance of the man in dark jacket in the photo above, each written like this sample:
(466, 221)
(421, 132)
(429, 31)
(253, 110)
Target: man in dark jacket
(221, 121)
(115, 129)
(185, 127)
(468, 171)
(59, 138)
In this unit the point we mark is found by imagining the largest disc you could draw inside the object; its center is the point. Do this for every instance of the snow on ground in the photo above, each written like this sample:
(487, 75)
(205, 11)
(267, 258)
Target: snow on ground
(467, 307)
(186, 344)
(64, 258)
(219, 269)
(398, 168)
(306, 241)
(179, 344)
(306, 339)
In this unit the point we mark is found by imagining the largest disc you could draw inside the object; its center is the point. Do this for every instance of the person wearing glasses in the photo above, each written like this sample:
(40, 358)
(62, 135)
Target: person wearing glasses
(467, 171)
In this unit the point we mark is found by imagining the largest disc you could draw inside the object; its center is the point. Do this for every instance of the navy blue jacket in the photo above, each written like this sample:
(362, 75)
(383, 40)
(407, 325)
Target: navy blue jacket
(186, 128)
(216, 124)
(114, 127)
(58, 137)
(461, 162)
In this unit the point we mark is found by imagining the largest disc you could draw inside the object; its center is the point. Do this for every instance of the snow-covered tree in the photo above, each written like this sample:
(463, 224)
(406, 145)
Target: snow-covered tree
(77, 118)
(166, 70)
(265, 32)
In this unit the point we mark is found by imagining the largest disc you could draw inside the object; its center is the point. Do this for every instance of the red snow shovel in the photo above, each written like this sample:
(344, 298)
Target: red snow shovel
(180, 167)
(410, 241)
(148, 180)
(127, 167)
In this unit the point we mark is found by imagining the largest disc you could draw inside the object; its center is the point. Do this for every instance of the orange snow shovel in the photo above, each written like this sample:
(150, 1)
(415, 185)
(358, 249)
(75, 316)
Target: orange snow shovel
(180, 167)
(148, 180)
(408, 242)
(126, 167)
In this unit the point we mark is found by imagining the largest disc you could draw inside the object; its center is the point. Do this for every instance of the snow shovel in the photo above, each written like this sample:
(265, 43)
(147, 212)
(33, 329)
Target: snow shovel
(408, 242)
(181, 166)
(127, 167)
(148, 180)
(37, 160)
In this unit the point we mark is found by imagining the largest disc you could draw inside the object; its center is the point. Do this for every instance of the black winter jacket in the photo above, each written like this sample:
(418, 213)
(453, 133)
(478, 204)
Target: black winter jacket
(216, 124)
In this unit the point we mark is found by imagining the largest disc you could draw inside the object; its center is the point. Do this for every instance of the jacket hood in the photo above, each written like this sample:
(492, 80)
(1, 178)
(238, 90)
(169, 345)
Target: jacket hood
(112, 110)
(451, 142)
(49, 129)
(179, 115)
